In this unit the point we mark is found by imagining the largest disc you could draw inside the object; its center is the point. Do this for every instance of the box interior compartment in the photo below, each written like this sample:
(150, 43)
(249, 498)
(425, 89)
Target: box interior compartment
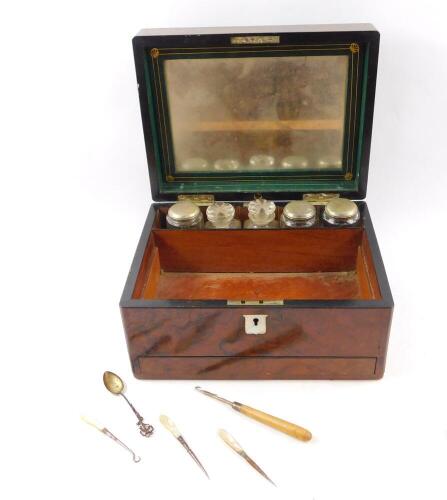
(320, 263)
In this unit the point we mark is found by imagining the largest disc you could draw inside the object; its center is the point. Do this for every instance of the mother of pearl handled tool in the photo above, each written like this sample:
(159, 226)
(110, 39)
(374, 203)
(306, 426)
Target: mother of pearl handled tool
(234, 445)
(115, 385)
(171, 427)
(276, 423)
(105, 431)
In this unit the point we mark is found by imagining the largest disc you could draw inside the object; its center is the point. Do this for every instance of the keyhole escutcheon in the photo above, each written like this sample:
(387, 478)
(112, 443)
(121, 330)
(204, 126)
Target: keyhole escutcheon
(255, 324)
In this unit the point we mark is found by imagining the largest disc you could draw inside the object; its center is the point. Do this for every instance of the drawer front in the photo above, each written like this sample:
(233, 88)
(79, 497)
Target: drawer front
(238, 368)
(289, 332)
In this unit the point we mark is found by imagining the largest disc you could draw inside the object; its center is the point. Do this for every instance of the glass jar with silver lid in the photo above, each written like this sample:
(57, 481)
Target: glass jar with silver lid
(184, 215)
(220, 215)
(261, 215)
(341, 211)
(298, 214)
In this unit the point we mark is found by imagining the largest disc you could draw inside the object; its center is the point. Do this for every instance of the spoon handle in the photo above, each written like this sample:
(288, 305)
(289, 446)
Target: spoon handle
(146, 430)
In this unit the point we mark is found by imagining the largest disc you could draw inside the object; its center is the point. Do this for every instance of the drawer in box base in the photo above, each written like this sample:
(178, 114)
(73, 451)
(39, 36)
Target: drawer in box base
(299, 343)
(257, 368)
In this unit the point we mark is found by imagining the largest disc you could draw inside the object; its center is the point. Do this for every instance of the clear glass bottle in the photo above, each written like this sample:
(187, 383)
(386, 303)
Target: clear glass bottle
(184, 215)
(341, 212)
(261, 215)
(220, 215)
(298, 214)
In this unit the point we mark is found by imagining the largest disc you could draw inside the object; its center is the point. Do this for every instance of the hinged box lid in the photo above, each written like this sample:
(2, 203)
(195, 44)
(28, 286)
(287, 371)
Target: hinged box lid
(279, 111)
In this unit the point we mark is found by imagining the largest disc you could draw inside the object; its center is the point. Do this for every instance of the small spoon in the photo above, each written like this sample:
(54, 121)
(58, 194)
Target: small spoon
(115, 385)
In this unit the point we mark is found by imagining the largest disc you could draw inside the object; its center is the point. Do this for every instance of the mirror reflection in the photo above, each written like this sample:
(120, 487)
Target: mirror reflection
(256, 114)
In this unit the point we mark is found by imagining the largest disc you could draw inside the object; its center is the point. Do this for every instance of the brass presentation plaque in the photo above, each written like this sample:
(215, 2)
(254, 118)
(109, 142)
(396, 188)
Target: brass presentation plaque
(243, 40)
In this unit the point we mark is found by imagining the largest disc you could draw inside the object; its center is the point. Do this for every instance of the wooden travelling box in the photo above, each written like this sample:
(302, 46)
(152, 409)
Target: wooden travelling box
(305, 303)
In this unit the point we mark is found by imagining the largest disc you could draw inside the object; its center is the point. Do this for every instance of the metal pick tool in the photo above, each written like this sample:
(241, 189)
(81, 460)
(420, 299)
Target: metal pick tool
(105, 431)
(170, 426)
(115, 385)
(276, 423)
(234, 445)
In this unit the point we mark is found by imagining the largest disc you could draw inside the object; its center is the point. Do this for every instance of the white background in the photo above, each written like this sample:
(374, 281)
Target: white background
(74, 195)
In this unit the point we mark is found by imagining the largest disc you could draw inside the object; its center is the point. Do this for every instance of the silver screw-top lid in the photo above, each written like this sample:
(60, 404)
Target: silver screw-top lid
(226, 164)
(294, 161)
(220, 214)
(341, 210)
(261, 212)
(194, 165)
(299, 211)
(262, 161)
(183, 213)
